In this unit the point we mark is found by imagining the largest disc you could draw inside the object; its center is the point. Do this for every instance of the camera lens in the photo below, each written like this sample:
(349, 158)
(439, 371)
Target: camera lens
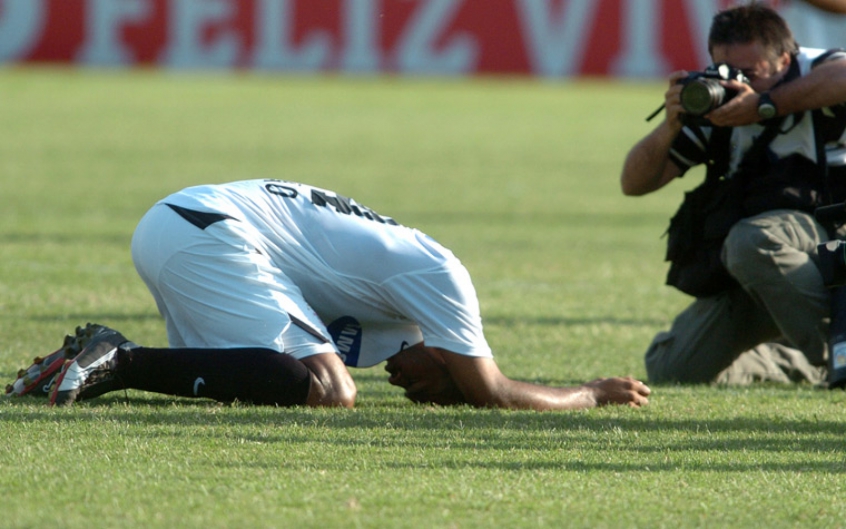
(701, 96)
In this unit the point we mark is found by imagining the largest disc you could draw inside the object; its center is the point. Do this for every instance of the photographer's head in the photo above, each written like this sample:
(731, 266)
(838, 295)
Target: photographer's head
(754, 39)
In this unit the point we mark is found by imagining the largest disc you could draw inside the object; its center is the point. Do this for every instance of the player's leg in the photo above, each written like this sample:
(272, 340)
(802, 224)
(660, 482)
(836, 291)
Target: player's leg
(252, 375)
(331, 383)
(110, 362)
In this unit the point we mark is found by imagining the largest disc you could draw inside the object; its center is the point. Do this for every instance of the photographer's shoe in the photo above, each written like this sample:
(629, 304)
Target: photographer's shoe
(37, 379)
(91, 373)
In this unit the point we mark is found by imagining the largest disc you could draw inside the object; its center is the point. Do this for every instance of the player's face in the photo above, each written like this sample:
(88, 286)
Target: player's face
(755, 62)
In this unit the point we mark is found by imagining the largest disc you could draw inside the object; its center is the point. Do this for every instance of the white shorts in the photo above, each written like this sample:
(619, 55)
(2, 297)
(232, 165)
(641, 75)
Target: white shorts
(217, 290)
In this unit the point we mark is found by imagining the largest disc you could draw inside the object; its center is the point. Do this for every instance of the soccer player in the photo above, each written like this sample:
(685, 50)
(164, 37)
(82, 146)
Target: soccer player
(270, 289)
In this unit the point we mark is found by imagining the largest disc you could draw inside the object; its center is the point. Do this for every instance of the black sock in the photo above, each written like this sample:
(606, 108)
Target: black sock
(255, 375)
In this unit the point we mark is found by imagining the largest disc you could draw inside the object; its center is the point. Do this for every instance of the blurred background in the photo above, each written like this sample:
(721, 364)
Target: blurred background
(544, 38)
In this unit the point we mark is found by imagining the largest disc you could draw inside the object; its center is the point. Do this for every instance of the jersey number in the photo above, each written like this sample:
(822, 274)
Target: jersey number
(340, 203)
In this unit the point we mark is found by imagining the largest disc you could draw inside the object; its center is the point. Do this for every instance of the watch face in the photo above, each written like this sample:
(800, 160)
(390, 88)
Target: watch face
(766, 111)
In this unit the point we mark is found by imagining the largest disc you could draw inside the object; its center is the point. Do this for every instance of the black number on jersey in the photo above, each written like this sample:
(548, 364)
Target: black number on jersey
(347, 206)
(340, 203)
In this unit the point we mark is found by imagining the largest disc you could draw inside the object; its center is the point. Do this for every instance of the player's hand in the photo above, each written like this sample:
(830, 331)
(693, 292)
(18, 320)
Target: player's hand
(422, 372)
(620, 390)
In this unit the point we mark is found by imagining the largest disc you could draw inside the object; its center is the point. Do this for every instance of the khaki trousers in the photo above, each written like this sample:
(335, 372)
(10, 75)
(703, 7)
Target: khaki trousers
(773, 328)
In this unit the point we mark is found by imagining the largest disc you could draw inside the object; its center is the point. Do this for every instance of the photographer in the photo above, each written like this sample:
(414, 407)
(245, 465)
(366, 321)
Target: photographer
(745, 242)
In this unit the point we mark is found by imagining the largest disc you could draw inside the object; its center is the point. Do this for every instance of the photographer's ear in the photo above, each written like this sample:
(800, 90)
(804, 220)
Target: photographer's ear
(782, 63)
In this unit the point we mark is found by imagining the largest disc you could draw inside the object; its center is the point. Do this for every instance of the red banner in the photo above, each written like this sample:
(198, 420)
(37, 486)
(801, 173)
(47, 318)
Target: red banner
(550, 38)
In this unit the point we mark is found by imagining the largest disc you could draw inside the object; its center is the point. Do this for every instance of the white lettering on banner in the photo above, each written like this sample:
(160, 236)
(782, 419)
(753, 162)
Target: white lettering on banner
(415, 52)
(361, 50)
(702, 13)
(274, 49)
(21, 25)
(103, 19)
(186, 49)
(640, 56)
(554, 44)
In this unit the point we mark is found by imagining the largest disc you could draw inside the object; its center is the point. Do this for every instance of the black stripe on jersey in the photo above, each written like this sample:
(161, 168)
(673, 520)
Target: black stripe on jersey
(840, 52)
(200, 219)
(689, 148)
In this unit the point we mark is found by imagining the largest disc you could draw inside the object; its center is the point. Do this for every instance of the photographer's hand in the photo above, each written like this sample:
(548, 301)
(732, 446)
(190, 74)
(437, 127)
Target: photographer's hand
(741, 110)
(672, 102)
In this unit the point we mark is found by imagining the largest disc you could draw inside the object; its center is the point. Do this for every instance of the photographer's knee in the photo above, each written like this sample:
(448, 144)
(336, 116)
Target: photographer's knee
(742, 253)
(670, 362)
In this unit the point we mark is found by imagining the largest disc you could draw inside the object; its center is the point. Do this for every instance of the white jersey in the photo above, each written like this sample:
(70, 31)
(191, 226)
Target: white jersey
(375, 284)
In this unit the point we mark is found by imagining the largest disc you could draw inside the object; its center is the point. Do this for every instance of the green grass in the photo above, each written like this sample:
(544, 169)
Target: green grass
(519, 178)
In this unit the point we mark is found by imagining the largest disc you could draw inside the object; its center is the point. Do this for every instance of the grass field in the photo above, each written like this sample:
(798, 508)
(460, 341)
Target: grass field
(519, 179)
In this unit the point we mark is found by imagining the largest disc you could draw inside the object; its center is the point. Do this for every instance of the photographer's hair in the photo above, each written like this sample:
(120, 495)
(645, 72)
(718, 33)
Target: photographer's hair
(754, 22)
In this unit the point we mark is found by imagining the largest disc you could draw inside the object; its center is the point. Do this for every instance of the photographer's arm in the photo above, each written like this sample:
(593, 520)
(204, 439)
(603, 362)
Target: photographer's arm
(832, 6)
(648, 167)
(823, 86)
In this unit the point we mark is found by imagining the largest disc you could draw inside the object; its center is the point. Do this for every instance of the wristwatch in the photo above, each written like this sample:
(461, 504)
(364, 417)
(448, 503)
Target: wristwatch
(766, 108)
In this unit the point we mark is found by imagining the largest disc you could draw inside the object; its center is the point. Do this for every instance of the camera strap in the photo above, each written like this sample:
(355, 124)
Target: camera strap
(822, 158)
(719, 148)
(753, 158)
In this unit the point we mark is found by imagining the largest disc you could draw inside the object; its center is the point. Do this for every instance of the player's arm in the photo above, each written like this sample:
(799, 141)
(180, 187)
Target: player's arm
(483, 385)
(439, 376)
(648, 166)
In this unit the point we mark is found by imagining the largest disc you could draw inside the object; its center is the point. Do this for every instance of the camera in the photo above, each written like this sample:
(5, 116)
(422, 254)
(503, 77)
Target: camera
(702, 91)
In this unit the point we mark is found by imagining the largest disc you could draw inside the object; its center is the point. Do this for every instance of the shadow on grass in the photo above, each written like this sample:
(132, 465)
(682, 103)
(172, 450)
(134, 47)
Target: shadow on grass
(390, 428)
(475, 439)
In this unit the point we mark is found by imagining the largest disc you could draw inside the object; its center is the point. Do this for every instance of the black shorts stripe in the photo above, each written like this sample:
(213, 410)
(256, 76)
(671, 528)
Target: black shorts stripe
(307, 328)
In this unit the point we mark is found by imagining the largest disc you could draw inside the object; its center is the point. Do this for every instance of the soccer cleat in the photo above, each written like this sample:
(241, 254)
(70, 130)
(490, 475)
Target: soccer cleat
(92, 372)
(36, 380)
